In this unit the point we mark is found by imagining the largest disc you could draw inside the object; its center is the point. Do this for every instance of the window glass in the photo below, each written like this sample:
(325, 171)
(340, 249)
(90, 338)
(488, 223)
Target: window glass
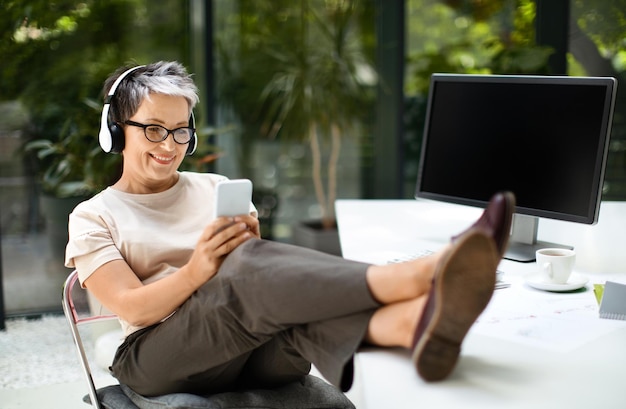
(498, 37)
(597, 48)
(486, 37)
(55, 57)
(294, 86)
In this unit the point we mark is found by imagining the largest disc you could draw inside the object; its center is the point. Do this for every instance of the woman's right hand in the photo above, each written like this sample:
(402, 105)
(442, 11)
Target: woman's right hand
(217, 240)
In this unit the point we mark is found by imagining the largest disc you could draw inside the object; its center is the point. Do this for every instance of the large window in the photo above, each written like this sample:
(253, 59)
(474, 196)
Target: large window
(55, 57)
(489, 37)
(597, 48)
(311, 99)
(295, 84)
(508, 37)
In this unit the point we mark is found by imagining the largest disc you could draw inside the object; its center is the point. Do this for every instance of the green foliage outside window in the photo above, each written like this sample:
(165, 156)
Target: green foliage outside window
(498, 37)
(298, 71)
(55, 57)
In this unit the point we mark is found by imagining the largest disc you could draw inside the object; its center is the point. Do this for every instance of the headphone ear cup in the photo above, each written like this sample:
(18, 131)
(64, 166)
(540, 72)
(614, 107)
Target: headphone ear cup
(104, 135)
(191, 148)
(111, 135)
(117, 138)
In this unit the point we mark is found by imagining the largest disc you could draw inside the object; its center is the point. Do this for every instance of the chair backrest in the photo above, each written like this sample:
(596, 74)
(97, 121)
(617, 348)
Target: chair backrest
(77, 319)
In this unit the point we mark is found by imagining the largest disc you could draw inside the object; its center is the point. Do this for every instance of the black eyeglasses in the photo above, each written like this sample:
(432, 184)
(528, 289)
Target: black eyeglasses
(157, 133)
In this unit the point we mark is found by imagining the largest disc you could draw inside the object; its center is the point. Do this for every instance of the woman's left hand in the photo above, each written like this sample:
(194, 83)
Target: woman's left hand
(252, 223)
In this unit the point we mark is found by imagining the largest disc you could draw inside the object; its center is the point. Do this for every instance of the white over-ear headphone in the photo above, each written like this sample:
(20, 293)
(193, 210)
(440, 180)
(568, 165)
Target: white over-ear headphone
(111, 135)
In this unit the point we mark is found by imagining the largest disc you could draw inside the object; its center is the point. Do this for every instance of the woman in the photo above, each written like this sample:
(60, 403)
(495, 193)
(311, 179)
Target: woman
(208, 306)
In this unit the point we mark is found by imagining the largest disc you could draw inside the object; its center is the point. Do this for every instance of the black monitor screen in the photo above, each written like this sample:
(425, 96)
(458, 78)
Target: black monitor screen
(543, 138)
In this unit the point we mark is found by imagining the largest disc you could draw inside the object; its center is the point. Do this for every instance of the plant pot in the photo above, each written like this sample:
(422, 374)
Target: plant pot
(56, 211)
(312, 235)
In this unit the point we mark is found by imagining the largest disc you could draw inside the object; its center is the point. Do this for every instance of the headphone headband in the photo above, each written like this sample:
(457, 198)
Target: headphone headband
(111, 135)
(118, 81)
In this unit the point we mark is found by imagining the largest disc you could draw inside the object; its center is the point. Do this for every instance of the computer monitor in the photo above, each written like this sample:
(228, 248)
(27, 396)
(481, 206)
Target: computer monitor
(545, 138)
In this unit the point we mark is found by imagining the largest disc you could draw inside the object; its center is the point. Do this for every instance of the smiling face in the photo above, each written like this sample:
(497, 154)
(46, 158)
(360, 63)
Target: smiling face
(151, 167)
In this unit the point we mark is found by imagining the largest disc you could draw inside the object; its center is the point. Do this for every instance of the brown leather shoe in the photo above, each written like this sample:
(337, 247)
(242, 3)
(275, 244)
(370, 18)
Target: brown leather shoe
(462, 287)
(496, 220)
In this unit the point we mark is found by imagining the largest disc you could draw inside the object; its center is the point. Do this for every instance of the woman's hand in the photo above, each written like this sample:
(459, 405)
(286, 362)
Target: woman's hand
(252, 223)
(218, 239)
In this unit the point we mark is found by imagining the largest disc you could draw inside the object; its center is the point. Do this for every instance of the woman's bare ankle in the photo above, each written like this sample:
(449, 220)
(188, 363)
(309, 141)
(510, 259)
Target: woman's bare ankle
(394, 325)
(403, 281)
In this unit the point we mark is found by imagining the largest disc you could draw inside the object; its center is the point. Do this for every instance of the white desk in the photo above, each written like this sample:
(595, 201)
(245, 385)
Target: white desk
(530, 348)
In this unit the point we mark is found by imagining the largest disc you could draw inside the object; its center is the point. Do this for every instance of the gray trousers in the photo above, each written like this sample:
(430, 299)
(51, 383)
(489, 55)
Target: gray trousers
(270, 311)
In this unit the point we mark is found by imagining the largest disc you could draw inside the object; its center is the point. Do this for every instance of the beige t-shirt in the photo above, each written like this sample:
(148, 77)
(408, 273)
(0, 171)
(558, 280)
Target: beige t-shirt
(154, 233)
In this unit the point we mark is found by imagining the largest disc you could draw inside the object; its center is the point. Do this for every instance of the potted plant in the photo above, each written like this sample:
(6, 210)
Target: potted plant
(71, 168)
(307, 81)
(317, 95)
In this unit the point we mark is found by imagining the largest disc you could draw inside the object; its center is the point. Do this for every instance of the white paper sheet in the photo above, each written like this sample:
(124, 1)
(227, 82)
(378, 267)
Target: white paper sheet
(553, 321)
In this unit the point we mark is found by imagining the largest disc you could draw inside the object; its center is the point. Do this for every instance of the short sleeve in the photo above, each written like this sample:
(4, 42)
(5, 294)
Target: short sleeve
(91, 243)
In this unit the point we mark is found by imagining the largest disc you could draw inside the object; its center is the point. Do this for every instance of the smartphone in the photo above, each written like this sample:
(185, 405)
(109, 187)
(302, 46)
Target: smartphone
(233, 197)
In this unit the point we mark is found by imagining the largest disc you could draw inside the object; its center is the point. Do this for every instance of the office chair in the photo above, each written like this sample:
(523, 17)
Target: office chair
(309, 393)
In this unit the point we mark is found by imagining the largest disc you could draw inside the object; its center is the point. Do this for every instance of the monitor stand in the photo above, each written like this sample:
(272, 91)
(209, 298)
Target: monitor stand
(523, 241)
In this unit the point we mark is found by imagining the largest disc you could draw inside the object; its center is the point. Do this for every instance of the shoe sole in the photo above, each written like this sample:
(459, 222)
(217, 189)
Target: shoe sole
(509, 199)
(465, 285)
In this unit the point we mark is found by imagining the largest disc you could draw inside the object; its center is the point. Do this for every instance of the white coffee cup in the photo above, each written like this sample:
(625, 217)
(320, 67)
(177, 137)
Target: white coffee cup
(556, 264)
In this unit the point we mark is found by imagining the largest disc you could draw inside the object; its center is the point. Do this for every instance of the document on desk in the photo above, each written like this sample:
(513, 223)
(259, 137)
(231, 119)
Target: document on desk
(552, 321)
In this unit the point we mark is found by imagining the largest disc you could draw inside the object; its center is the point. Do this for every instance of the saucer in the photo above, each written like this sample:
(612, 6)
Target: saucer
(536, 280)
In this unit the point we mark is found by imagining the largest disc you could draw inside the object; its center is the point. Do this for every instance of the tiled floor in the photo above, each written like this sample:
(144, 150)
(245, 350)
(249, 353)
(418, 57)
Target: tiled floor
(39, 366)
(61, 396)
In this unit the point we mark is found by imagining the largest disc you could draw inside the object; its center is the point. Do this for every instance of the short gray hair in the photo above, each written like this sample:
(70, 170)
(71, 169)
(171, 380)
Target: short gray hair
(163, 77)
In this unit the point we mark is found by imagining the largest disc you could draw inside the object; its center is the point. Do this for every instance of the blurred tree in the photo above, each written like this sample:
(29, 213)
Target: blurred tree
(56, 56)
(597, 48)
(302, 75)
(498, 37)
(466, 36)
(463, 36)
